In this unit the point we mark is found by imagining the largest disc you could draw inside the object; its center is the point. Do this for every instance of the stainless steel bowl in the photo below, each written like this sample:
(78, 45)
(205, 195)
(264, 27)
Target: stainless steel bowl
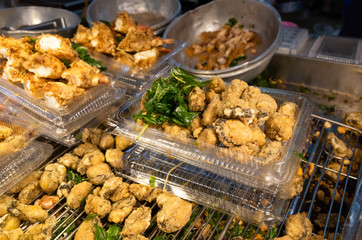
(209, 17)
(18, 22)
(155, 13)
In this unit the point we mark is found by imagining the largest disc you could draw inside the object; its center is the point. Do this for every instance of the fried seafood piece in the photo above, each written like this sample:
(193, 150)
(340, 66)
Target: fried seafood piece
(271, 152)
(102, 39)
(29, 193)
(92, 135)
(217, 84)
(296, 185)
(97, 205)
(144, 193)
(210, 94)
(106, 142)
(32, 177)
(251, 92)
(114, 158)
(56, 45)
(121, 209)
(123, 22)
(34, 84)
(265, 104)
(237, 108)
(78, 193)
(69, 160)
(196, 100)
(12, 234)
(40, 231)
(250, 149)
(84, 148)
(45, 65)
(235, 89)
(115, 189)
(137, 222)
(337, 167)
(13, 144)
(174, 213)
(64, 189)
(53, 175)
(47, 202)
(124, 57)
(289, 109)
(14, 70)
(353, 119)
(90, 159)
(138, 39)
(86, 230)
(122, 142)
(83, 75)
(234, 132)
(29, 213)
(196, 126)
(5, 132)
(339, 147)
(279, 127)
(176, 130)
(211, 112)
(99, 173)
(208, 135)
(298, 226)
(8, 223)
(57, 94)
(146, 58)
(83, 36)
(135, 237)
(5, 202)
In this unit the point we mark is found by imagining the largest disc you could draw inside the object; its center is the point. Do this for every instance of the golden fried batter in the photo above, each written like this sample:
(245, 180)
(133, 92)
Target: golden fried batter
(279, 127)
(196, 100)
(298, 226)
(208, 135)
(78, 193)
(97, 205)
(123, 22)
(56, 45)
(45, 65)
(121, 209)
(99, 173)
(271, 152)
(102, 39)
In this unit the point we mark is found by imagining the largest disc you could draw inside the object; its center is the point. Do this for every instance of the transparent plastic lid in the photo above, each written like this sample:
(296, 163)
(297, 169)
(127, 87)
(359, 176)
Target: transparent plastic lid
(14, 167)
(249, 170)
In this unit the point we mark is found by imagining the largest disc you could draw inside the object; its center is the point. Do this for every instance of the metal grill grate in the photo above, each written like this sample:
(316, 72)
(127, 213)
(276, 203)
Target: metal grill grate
(219, 225)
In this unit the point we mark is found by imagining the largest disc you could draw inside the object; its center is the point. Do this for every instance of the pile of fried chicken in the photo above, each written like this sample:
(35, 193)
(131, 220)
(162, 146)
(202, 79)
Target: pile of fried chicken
(128, 42)
(39, 64)
(224, 47)
(106, 196)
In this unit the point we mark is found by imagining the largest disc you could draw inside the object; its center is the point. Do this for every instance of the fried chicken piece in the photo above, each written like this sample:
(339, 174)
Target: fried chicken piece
(217, 84)
(211, 112)
(5, 202)
(40, 231)
(32, 177)
(53, 175)
(8, 223)
(11, 235)
(144, 193)
(122, 143)
(29, 213)
(84, 148)
(102, 39)
(83, 36)
(47, 202)
(298, 226)
(83, 75)
(97, 205)
(265, 104)
(99, 173)
(123, 22)
(174, 213)
(64, 189)
(69, 160)
(279, 127)
(137, 222)
(92, 135)
(138, 39)
(58, 94)
(45, 65)
(115, 189)
(56, 45)
(114, 158)
(29, 193)
(106, 142)
(146, 58)
(121, 209)
(77, 194)
(208, 135)
(5, 132)
(86, 230)
(90, 159)
(235, 133)
(289, 109)
(353, 119)
(176, 130)
(271, 152)
(196, 100)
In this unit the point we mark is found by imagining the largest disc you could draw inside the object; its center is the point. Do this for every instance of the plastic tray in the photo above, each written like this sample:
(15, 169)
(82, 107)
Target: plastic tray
(204, 187)
(16, 166)
(272, 177)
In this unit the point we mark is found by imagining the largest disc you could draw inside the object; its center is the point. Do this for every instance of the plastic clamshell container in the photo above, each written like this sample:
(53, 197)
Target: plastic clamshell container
(272, 177)
(23, 132)
(204, 187)
(15, 167)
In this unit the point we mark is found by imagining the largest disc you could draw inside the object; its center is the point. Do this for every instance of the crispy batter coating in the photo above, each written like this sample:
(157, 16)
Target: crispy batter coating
(45, 65)
(123, 22)
(90, 159)
(56, 45)
(211, 112)
(121, 209)
(208, 135)
(298, 226)
(86, 229)
(137, 222)
(353, 119)
(146, 58)
(77, 194)
(106, 142)
(217, 84)
(279, 127)
(144, 193)
(11, 235)
(32, 177)
(196, 100)
(84, 148)
(114, 158)
(29, 193)
(288, 108)
(41, 231)
(122, 143)
(137, 39)
(102, 39)
(5, 202)
(58, 94)
(69, 160)
(30, 213)
(83, 36)
(265, 104)
(271, 152)
(8, 223)
(115, 189)
(99, 173)
(177, 131)
(97, 205)
(54, 174)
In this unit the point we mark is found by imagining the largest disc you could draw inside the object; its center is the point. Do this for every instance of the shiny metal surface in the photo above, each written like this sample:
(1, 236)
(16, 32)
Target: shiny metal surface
(19, 17)
(263, 18)
(155, 13)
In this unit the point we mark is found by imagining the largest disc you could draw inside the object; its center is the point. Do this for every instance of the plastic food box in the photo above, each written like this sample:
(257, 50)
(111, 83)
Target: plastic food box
(21, 163)
(204, 187)
(272, 178)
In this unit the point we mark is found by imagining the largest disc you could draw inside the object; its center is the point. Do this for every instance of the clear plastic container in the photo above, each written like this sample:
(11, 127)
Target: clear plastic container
(14, 167)
(204, 187)
(273, 177)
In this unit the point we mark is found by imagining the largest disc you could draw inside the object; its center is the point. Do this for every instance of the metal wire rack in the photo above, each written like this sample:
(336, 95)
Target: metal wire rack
(210, 223)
